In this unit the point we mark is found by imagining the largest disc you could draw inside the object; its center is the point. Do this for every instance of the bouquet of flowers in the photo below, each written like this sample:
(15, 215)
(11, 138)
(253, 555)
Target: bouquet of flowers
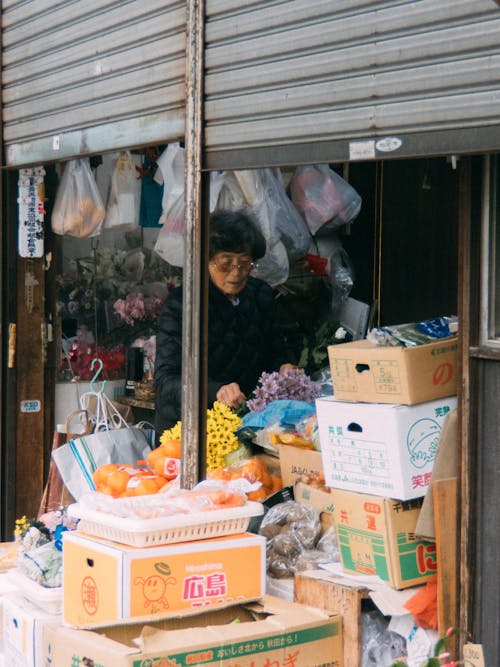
(39, 544)
(293, 384)
(78, 358)
(222, 424)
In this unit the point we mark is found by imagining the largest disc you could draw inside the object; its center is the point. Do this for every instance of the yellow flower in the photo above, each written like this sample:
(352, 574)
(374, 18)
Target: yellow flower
(222, 423)
(21, 526)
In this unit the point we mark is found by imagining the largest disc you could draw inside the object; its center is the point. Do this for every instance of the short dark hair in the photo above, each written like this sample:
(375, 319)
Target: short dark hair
(235, 231)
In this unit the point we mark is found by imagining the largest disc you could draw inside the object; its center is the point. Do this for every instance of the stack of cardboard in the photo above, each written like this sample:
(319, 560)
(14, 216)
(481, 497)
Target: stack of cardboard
(183, 602)
(379, 436)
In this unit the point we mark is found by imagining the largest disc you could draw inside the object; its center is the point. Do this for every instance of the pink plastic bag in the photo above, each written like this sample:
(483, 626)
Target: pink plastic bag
(323, 197)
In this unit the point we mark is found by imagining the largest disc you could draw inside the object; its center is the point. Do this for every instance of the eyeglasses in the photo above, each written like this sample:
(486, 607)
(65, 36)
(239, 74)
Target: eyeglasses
(227, 265)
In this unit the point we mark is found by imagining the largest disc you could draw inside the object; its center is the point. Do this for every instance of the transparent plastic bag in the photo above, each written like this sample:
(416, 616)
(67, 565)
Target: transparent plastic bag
(291, 528)
(323, 197)
(78, 208)
(124, 196)
(170, 242)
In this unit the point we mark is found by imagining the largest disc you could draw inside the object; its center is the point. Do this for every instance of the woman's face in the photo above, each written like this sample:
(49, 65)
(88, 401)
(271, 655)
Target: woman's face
(229, 271)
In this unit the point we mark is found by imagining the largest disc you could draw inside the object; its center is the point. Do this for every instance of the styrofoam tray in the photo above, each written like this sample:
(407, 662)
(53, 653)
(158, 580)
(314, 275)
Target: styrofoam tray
(49, 599)
(165, 530)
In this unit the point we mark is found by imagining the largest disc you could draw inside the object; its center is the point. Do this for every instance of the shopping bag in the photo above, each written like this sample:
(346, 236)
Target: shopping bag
(78, 208)
(55, 494)
(79, 458)
(170, 242)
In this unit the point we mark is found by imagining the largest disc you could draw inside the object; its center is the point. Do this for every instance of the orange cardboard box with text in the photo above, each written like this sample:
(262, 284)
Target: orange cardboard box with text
(268, 633)
(363, 371)
(106, 582)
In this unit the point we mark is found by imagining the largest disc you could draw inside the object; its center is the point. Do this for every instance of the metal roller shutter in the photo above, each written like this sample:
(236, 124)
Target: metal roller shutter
(88, 76)
(281, 77)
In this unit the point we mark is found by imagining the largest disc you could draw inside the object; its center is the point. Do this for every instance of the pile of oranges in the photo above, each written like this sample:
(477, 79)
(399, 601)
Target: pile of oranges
(253, 469)
(118, 480)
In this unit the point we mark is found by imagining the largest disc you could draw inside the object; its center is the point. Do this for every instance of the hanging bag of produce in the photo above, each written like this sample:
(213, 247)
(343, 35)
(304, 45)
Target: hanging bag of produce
(78, 208)
(323, 197)
(124, 195)
(170, 242)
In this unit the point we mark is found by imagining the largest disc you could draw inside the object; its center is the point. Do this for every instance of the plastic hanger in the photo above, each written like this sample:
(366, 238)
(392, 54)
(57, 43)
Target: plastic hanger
(96, 375)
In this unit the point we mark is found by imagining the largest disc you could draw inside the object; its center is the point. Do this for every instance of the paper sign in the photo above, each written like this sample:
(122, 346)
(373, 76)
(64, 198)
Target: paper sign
(473, 655)
(362, 150)
(31, 212)
(31, 406)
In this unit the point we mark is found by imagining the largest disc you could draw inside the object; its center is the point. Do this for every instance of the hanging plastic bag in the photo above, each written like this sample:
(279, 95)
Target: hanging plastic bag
(78, 208)
(244, 190)
(170, 242)
(287, 220)
(151, 191)
(124, 195)
(323, 197)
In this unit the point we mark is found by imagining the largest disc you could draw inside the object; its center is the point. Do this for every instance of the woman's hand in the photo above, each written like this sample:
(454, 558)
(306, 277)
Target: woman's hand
(231, 395)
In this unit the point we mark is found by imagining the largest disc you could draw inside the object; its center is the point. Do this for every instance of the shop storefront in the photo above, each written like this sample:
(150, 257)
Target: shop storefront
(401, 98)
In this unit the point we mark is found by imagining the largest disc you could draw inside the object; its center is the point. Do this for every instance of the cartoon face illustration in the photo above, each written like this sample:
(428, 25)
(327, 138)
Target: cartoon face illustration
(422, 441)
(154, 589)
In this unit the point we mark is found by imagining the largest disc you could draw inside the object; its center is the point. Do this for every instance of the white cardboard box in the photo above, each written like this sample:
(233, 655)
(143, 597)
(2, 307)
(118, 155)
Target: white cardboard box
(381, 449)
(23, 624)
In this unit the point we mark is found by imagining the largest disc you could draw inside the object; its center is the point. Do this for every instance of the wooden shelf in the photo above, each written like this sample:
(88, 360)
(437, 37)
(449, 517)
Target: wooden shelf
(145, 404)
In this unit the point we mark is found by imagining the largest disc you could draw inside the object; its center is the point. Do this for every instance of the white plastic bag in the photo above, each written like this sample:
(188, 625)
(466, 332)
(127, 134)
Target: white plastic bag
(124, 196)
(170, 242)
(78, 208)
(244, 190)
(323, 197)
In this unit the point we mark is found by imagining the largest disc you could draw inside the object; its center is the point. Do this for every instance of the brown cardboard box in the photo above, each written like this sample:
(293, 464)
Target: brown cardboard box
(296, 462)
(321, 500)
(377, 536)
(269, 632)
(363, 371)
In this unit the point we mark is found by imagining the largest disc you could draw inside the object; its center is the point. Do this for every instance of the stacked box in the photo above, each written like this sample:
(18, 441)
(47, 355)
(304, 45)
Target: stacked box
(377, 536)
(269, 632)
(381, 449)
(363, 371)
(106, 582)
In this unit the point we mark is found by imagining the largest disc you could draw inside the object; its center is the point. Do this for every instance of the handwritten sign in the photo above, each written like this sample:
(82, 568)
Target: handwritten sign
(30, 200)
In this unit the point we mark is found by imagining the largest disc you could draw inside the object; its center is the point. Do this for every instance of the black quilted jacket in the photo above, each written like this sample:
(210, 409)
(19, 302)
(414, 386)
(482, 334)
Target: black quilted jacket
(243, 341)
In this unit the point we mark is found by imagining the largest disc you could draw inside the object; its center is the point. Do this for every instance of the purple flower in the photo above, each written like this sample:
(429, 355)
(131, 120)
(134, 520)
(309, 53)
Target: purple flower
(292, 384)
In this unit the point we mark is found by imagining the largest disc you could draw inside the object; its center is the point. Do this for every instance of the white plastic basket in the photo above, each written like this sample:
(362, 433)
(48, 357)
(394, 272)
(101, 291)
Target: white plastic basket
(48, 599)
(165, 530)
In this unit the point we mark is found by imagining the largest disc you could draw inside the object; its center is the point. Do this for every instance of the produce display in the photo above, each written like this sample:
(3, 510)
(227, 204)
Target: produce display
(120, 481)
(254, 470)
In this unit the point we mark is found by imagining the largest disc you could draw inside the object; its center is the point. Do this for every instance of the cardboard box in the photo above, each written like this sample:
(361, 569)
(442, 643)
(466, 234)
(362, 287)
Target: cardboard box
(384, 449)
(377, 536)
(317, 498)
(273, 632)
(22, 631)
(363, 371)
(296, 462)
(106, 582)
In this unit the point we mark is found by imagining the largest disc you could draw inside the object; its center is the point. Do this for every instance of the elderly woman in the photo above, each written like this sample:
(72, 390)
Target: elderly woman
(244, 338)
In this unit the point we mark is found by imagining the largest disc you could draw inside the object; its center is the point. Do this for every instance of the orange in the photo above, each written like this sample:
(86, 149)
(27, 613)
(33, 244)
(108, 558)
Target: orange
(101, 474)
(172, 448)
(117, 482)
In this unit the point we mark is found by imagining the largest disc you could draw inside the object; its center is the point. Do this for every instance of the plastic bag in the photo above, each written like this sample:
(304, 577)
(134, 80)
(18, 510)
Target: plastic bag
(323, 197)
(291, 528)
(170, 242)
(124, 196)
(286, 234)
(78, 208)
(340, 269)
